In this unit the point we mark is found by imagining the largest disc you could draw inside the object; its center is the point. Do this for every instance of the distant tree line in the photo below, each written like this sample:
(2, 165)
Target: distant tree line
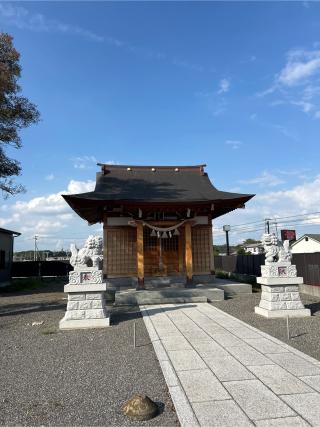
(41, 255)
(235, 249)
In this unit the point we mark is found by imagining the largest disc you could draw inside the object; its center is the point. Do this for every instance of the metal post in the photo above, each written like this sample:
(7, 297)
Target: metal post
(227, 240)
(226, 228)
(134, 334)
(288, 331)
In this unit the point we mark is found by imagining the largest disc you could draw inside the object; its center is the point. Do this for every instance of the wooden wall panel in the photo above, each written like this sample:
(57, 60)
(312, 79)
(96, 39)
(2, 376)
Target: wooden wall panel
(121, 251)
(201, 249)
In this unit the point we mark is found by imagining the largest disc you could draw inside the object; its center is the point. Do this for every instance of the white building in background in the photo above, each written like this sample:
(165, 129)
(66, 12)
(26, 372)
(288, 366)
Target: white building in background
(253, 248)
(6, 254)
(308, 243)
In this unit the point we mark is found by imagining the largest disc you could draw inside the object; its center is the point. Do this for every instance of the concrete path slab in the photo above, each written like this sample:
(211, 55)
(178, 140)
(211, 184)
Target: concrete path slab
(202, 385)
(222, 372)
(257, 401)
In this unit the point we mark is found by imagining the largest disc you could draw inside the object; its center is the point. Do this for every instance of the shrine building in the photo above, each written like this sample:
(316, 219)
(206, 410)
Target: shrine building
(157, 220)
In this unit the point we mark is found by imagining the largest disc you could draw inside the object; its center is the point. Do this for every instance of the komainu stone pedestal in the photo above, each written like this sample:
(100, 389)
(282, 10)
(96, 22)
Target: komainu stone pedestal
(280, 292)
(86, 300)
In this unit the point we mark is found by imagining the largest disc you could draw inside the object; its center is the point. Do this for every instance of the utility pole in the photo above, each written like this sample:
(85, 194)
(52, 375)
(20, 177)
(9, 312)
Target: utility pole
(267, 225)
(35, 253)
(276, 225)
(227, 228)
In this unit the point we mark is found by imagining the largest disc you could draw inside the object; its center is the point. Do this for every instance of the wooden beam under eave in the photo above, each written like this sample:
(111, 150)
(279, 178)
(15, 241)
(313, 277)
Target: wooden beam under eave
(188, 252)
(105, 239)
(140, 256)
(211, 249)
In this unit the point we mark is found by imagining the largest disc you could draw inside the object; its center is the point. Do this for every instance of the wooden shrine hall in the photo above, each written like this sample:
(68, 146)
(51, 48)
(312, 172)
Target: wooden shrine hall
(157, 220)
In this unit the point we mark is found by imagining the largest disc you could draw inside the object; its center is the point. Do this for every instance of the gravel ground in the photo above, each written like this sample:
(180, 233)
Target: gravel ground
(304, 332)
(73, 378)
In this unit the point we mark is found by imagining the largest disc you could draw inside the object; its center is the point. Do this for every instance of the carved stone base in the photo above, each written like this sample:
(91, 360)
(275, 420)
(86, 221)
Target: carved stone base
(86, 307)
(272, 314)
(280, 298)
(84, 324)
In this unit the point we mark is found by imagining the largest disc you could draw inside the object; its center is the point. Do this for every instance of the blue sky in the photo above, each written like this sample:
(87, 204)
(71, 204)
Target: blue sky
(233, 85)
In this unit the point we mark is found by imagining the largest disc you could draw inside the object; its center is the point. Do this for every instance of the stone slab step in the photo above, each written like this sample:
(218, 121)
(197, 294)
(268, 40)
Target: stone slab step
(233, 288)
(168, 296)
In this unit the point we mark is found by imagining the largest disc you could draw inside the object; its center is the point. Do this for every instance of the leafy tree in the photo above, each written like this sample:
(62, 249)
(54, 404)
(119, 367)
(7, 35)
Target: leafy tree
(216, 251)
(241, 251)
(250, 241)
(16, 112)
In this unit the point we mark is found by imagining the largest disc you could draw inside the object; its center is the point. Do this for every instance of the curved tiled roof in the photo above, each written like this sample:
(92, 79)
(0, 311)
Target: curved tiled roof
(152, 185)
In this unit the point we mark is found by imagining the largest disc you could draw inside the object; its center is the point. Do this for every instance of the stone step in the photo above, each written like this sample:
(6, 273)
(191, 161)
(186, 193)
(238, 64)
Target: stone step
(167, 296)
(164, 281)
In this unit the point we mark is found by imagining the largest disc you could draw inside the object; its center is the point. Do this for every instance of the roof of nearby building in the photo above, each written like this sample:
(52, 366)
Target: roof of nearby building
(152, 185)
(253, 245)
(4, 230)
(312, 236)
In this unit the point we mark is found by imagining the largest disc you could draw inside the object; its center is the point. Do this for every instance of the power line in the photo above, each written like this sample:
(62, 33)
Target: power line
(277, 218)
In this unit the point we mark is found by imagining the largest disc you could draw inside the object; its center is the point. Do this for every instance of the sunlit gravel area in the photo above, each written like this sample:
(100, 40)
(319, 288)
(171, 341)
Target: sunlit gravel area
(73, 378)
(304, 332)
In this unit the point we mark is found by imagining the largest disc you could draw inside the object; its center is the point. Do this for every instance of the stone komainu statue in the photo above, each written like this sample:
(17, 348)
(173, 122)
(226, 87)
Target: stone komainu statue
(91, 252)
(274, 250)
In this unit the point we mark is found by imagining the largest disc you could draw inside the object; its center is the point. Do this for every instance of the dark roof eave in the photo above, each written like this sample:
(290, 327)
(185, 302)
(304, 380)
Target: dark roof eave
(84, 197)
(93, 213)
(4, 230)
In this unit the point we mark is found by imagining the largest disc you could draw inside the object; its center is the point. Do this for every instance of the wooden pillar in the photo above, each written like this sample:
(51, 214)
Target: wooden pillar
(211, 249)
(140, 257)
(105, 253)
(181, 251)
(188, 252)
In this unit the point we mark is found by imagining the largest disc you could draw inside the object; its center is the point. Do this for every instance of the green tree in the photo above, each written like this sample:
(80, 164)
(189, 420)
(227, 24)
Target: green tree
(250, 241)
(16, 112)
(241, 251)
(215, 251)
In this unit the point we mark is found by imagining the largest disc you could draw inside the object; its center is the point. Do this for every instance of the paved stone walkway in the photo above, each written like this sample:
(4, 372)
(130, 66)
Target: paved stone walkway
(222, 372)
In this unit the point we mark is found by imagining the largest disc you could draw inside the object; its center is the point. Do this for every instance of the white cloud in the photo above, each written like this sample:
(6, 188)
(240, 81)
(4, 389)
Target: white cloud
(75, 187)
(50, 177)
(235, 144)
(84, 162)
(310, 91)
(306, 107)
(297, 83)
(301, 65)
(21, 18)
(299, 172)
(52, 204)
(89, 162)
(224, 86)
(300, 199)
(266, 91)
(277, 102)
(265, 179)
(47, 216)
(219, 110)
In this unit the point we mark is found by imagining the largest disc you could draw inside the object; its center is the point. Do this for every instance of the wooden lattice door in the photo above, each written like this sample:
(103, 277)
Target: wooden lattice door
(161, 256)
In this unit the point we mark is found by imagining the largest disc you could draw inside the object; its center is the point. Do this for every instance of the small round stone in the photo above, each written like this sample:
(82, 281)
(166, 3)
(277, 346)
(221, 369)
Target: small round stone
(140, 408)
